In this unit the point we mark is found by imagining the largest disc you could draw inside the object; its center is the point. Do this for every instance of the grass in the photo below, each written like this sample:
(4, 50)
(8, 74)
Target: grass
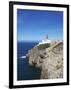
(43, 46)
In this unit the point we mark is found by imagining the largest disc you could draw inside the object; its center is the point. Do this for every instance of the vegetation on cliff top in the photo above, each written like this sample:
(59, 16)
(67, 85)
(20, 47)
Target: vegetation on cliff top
(43, 46)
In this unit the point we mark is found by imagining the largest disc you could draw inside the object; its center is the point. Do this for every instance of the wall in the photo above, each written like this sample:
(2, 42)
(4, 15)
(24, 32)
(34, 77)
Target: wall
(4, 54)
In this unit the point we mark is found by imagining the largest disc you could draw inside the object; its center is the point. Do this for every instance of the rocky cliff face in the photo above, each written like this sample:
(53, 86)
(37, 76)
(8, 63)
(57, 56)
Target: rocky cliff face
(49, 58)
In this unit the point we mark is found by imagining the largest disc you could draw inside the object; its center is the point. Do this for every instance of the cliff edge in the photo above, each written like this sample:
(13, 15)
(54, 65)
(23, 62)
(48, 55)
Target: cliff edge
(48, 57)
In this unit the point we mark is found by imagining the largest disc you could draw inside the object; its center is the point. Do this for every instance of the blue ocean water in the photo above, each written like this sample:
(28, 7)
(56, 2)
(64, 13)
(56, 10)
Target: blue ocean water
(24, 70)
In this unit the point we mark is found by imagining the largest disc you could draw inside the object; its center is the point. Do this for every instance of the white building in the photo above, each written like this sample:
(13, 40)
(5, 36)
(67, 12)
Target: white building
(45, 40)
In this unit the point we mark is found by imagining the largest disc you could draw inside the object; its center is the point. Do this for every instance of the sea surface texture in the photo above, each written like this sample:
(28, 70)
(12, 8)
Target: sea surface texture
(24, 70)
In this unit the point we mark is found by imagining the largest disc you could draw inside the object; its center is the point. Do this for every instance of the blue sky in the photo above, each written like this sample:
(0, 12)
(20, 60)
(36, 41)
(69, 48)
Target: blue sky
(34, 25)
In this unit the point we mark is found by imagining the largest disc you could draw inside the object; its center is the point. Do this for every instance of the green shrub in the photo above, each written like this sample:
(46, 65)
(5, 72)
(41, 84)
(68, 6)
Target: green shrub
(44, 46)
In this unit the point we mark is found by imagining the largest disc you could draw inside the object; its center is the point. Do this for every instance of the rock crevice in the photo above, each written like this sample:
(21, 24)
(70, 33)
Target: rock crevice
(48, 58)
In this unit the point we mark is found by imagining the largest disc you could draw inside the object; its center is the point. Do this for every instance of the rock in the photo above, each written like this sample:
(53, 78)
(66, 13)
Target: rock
(49, 59)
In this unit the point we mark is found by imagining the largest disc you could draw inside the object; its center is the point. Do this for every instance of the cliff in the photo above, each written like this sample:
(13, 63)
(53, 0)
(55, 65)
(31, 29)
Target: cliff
(48, 57)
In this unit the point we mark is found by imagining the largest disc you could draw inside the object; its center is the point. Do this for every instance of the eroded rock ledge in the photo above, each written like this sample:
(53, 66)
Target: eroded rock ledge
(49, 58)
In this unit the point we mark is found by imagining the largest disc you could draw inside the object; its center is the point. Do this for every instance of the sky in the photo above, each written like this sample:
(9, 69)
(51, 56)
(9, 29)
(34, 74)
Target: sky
(34, 25)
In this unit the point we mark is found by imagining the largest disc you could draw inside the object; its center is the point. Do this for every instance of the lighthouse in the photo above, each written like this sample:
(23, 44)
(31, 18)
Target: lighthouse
(45, 40)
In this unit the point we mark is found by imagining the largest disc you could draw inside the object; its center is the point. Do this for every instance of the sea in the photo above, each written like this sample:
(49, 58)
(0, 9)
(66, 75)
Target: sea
(24, 70)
